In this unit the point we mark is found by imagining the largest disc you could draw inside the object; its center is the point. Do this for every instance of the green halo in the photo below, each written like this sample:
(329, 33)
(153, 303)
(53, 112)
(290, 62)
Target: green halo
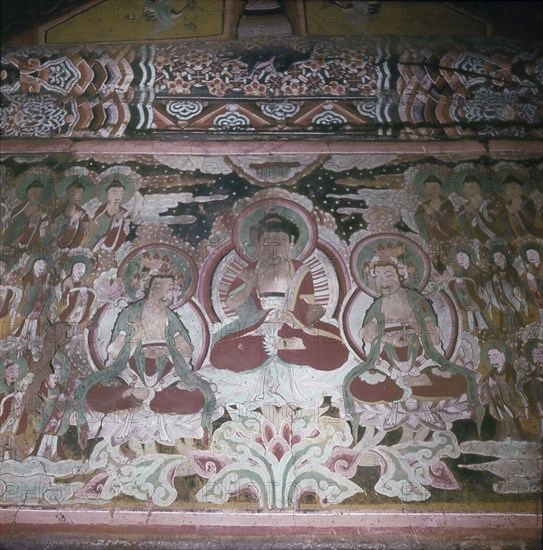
(126, 181)
(462, 248)
(62, 185)
(530, 245)
(440, 173)
(461, 175)
(43, 176)
(73, 259)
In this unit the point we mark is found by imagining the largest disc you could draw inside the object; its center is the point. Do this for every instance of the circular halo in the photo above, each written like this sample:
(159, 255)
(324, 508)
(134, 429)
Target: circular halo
(412, 256)
(80, 175)
(32, 259)
(499, 246)
(442, 174)
(74, 259)
(530, 346)
(462, 248)
(241, 233)
(126, 181)
(502, 174)
(159, 260)
(461, 175)
(43, 176)
(530, 245)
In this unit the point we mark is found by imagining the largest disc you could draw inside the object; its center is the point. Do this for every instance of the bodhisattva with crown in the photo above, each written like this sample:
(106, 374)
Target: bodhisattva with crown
(405, 374)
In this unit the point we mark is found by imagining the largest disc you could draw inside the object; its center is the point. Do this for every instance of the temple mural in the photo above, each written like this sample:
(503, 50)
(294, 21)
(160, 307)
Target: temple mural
(269, 332)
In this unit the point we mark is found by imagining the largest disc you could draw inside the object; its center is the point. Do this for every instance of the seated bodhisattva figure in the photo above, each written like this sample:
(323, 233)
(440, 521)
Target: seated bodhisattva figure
(405, 370)
(147, 390)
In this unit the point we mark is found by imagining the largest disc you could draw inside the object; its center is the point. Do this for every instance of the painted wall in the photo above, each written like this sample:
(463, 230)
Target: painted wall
(334, 322)
(360, 333)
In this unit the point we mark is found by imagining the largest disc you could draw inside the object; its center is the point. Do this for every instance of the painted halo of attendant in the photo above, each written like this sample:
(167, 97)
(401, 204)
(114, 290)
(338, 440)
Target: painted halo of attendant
(111, 222)
(71, 221)
(28, 220)
(435, 216)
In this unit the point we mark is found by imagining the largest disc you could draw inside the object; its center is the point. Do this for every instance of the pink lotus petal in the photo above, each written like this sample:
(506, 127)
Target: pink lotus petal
(442, 477)
(286, 431)
(344, 461)
(278, 447)
(93, 489)
(268, 431)
(207, 464)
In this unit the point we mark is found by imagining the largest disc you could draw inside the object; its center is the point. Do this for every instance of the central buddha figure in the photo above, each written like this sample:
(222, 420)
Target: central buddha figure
(278, 317)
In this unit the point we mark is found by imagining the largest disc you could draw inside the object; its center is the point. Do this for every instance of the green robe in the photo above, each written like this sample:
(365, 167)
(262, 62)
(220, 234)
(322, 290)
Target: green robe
(128, 316)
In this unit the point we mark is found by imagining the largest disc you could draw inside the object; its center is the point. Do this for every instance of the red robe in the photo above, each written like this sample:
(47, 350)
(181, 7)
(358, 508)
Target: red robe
(239, 350)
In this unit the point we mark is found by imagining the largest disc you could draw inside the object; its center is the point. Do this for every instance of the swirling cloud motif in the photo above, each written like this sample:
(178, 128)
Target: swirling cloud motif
(155, 205)
(207, 164)
(358, 196)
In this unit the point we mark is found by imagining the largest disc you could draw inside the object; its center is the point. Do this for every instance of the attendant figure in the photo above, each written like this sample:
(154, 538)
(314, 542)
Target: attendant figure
(478, 217)
(529, 384)
(71, 222)
(9, 299)
(35, 303)
(147, 390)
(497, 389)
(56, 411)
(533, 274)
(279, 321)
(13, 417)
(28, 221)
(520, 216)
(435, 217)
(111, 223)
(468, 290)
(77, 298)
(405, 368)
(505, 292)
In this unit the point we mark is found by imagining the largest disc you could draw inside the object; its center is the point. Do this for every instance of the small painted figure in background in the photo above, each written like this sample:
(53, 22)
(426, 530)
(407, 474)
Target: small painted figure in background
(111, 222)
(29, 220)
(77, 298)
(532, 275)
(468, 290)
(9, 298)
(497, 390)
(530, 380)
(477, 217)
(37, 298)
(519, 219)
(57, 408)
(435, 217)
(71, 222)
(13, 418)
(505, 291)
